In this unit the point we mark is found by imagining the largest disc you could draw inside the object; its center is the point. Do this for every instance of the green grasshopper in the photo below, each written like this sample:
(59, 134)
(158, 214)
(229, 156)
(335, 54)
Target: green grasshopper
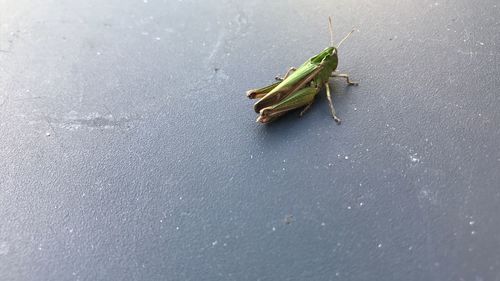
(299, 86)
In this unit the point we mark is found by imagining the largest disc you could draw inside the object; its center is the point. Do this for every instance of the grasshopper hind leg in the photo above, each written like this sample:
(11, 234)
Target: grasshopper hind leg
(305, 109)
(261, 92)
(330, 102)
(292, 69)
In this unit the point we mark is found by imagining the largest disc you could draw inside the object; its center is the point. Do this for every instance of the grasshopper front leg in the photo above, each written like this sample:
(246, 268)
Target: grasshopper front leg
(330, 102)
(345, 76)
(286, 74)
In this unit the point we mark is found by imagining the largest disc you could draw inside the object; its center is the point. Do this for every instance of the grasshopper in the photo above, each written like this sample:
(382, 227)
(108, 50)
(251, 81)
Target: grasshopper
(299, 86)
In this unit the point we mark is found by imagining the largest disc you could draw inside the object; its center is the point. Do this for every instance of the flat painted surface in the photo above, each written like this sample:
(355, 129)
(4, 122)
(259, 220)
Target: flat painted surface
(128, 150)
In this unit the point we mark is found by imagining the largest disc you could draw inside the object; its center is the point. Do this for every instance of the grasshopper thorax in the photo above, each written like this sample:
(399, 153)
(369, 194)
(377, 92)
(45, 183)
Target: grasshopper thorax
(328, 58)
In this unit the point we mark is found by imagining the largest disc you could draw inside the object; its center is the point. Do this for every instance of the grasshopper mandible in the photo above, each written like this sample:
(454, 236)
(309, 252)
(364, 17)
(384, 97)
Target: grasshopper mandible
(299, 86)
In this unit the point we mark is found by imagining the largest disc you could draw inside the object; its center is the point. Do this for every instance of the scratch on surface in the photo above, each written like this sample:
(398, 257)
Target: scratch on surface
(4, 248)
(91, 121)
(241, 23)
(215, 49)
(14, 35)
(475, 53)
(3, 100)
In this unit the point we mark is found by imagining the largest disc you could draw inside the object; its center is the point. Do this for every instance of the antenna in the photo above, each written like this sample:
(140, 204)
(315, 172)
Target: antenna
(331, 30)
(347, 36)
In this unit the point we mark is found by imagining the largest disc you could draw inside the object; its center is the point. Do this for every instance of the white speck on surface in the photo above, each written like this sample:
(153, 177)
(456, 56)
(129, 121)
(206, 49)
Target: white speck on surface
(361, 204)
(145, 1)
(157, 38)
(171, 30)
(47, 134)
(410, 248)
(251, 156)
(414, 158)
(481, 43)
(426, 194)
(379, 246)
(323, 224)
(177, 228)
(472, 232)
(346, 157)
(472, 222)
(337, 274)
(348, 207)
(98, 53)
(214, 243)
(274, 228)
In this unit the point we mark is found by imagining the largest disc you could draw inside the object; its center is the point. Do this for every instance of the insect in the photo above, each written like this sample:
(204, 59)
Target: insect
(299, 86)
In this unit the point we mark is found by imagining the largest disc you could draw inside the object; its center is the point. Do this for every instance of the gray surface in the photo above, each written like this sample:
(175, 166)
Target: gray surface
(125, 154)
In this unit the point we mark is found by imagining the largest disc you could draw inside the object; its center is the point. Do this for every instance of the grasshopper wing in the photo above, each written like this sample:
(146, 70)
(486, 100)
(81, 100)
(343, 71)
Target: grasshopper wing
(297, 80)
(300, 98)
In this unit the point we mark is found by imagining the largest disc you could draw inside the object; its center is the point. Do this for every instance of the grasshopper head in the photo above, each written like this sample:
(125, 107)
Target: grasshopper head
(328, 58)
(324, 55)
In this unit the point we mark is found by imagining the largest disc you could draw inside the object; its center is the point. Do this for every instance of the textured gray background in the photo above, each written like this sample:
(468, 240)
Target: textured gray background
(128, 150)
